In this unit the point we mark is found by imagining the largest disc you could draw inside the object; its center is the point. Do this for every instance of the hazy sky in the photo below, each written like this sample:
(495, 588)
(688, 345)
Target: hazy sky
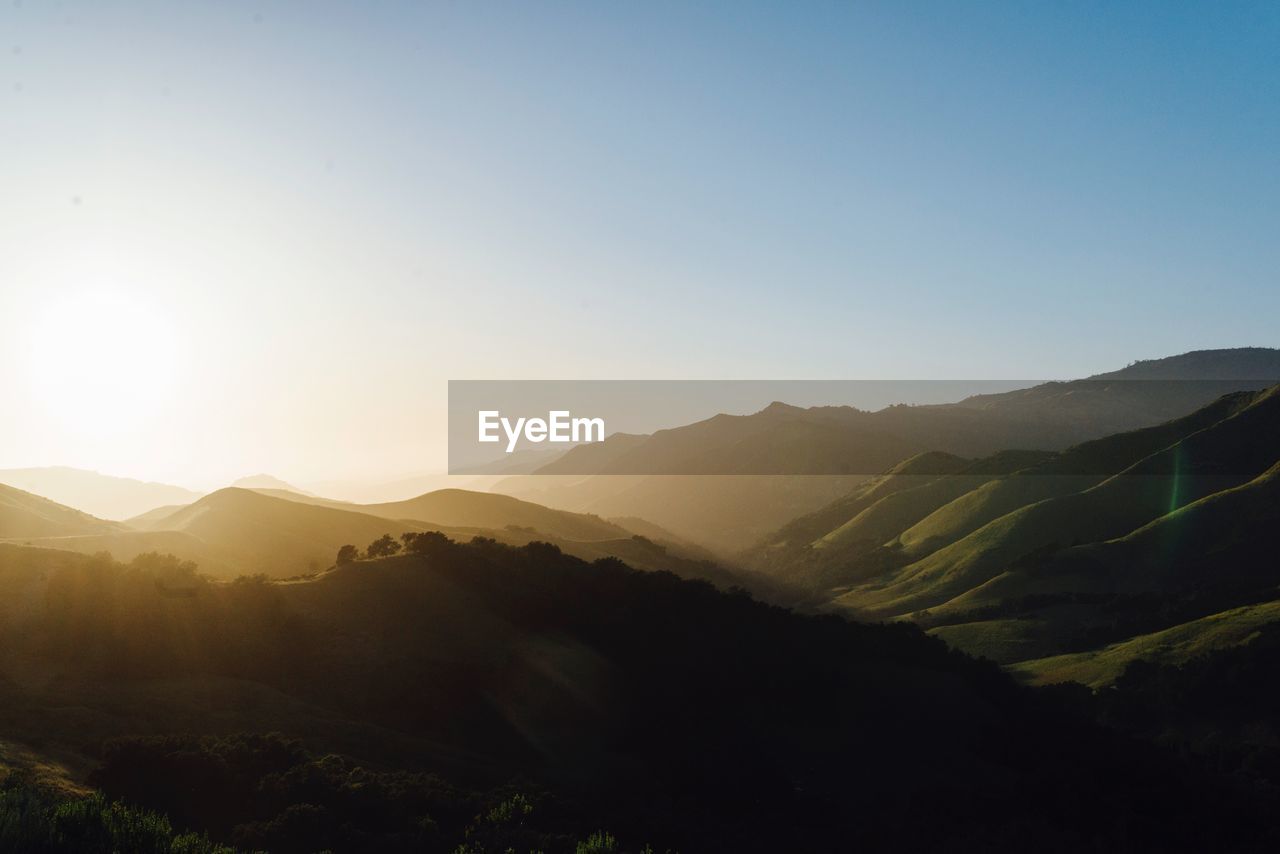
(243, 237)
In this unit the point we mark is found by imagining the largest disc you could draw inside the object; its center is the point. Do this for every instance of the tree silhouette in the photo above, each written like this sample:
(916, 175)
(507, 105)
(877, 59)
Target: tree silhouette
(347, 554)
(424, 542)
(384, 546)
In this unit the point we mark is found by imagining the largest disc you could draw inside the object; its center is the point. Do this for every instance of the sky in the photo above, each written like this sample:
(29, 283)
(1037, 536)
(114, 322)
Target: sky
(241, 237)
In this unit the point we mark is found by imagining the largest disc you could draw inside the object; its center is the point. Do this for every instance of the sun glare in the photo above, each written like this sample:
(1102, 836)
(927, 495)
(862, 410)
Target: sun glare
(100, 363)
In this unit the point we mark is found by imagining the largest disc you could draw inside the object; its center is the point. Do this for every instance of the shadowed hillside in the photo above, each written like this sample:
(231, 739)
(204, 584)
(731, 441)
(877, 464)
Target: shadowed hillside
(658, 709)
(834, 440)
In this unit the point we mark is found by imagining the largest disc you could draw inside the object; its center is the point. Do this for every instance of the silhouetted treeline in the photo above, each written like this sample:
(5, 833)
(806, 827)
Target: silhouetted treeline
(662, 711)
(1222, 707)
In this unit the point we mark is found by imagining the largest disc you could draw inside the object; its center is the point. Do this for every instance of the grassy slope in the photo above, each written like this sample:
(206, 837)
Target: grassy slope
(1171, 646)
(1215, 458)
(1072, 471)
(1215, 538)
(889, 516)
(912, 473)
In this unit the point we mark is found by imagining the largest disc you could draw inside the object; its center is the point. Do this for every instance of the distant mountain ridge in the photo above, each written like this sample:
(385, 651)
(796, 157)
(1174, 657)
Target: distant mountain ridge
(840, 440)
(266, 481)
(1237, 363)
(101, 495)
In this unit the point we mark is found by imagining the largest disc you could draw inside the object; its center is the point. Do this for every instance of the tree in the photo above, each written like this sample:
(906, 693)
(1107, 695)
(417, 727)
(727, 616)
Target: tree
(384, 546)
(424, 542)
(347, 554)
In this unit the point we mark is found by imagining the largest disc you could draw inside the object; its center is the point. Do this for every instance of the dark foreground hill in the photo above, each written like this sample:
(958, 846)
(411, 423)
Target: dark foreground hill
(553, 698)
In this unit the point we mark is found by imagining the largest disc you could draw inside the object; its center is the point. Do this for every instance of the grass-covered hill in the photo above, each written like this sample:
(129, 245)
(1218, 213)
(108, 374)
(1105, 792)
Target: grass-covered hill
(570, 698)
(1080, 556)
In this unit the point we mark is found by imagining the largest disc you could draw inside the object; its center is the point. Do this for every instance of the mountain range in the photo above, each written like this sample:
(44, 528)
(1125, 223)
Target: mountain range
(734, 479)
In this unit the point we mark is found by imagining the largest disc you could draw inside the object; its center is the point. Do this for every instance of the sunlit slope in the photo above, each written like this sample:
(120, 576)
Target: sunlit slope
(890, 515)
(274, 536)
(1074, 470)
(281, 534)
(1174, 645)
(1221, 456)
(842, 543)
(25, 515)
(1223, 538)
(125, 545)
(911, 473)
(464, 508)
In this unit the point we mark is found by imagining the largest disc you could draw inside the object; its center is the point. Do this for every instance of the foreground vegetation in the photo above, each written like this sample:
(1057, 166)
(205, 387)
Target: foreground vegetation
(36, 822)
(420, 695)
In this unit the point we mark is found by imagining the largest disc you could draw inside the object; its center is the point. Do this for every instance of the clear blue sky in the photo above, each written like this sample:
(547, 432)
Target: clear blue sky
(559, 190)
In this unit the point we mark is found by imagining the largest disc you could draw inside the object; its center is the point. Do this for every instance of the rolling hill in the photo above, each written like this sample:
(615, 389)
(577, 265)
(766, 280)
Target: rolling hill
(1226, 454)
(100, 495)
(459, 508)
(274, 536)
(24, 515)
(281, 533)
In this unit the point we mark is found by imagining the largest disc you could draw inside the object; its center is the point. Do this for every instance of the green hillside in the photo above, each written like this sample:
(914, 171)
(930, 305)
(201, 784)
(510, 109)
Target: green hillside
(1225, 454)
(1074, 470)
(1176, 645)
